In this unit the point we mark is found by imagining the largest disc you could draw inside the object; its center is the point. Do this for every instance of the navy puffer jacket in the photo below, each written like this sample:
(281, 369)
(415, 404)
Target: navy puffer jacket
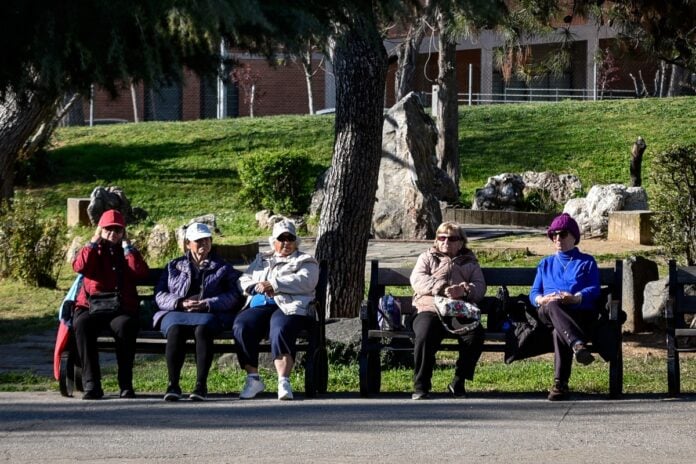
(218, 287)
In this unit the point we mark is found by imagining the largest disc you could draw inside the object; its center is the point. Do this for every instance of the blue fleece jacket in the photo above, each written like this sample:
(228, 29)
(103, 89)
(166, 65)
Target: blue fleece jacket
(570, 271)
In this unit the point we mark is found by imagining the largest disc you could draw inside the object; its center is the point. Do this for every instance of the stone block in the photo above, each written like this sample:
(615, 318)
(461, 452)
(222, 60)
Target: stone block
(77, 212)
(637, 272)
(631, 226)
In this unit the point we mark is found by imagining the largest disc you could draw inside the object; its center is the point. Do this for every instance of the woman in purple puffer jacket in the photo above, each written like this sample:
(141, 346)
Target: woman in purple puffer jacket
(197, 297)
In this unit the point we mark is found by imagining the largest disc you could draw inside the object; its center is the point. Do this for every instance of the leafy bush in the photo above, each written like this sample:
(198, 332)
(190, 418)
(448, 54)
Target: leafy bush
(32, 246)
(281, 181)
(674, 202)
(540, 200)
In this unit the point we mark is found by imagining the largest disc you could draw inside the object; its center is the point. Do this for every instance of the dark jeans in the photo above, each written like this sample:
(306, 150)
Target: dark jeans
(569, 326)
(254, 324)
(429, 334)
(123, 327)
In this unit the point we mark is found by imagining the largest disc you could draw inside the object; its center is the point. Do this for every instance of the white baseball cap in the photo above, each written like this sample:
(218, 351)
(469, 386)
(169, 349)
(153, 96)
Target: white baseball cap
(282, 227)
(197, 231)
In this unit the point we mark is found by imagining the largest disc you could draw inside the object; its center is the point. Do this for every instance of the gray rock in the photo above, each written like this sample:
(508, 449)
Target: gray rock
(409, 182)
(655, 300)
(560, 187)
(160, 242)
(343, 339)
(262, 218)
(501, 192)
(592, 212)
(103, 199)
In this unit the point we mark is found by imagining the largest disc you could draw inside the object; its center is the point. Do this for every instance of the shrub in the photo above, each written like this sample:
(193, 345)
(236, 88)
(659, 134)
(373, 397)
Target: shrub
(281, 181)
(32, 246)
(540, 200)
(674, 202)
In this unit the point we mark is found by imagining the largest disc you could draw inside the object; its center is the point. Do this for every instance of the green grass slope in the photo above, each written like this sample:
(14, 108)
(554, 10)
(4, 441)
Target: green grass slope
(175, 170)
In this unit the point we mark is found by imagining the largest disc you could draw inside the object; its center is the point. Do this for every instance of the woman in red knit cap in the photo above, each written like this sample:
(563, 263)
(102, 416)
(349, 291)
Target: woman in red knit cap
(565, 291)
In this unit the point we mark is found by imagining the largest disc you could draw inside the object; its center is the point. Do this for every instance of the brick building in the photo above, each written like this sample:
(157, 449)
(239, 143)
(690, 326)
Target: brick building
(283, 90)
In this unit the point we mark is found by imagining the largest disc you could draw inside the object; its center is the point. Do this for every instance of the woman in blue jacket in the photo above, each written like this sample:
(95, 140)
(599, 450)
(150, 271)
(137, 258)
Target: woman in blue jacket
(565, 290)
(197, 297)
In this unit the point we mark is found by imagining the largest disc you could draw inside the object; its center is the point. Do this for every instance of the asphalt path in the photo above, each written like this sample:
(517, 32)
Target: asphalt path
(344, 428)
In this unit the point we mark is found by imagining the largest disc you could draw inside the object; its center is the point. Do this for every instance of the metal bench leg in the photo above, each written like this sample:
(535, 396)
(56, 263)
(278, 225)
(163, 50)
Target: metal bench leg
(370, 372)
(673, 381)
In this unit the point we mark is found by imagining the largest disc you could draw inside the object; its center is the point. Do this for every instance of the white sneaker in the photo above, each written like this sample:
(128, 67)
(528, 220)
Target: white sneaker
(284, 390)
(252, 387)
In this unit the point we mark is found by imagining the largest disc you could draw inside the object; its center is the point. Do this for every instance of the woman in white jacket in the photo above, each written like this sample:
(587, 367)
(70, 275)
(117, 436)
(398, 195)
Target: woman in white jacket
(279, 286)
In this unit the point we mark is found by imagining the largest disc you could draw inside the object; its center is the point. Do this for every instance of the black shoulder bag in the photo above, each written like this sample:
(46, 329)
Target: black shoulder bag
(107, 303)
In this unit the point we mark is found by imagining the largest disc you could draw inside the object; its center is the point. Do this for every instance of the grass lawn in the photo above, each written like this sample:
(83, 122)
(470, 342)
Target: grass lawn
(645, 375)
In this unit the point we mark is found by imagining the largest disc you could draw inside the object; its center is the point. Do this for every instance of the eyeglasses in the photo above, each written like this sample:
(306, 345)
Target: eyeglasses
(442, 238)
(286, 238)
(115, 229)
(559, 233)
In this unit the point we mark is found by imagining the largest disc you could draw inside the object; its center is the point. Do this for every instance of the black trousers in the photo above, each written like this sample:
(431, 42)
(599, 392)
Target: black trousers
(429, 335)
(123, 327)
(569, 326)
(175, 352)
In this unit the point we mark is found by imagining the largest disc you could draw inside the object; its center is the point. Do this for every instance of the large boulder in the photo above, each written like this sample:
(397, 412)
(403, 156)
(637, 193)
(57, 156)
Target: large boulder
(560, 187)
(105, 198)
(501, 192)
(592, 212)
(409, 183)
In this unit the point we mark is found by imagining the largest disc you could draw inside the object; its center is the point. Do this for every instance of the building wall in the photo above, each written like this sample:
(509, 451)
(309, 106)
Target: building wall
(283, 89)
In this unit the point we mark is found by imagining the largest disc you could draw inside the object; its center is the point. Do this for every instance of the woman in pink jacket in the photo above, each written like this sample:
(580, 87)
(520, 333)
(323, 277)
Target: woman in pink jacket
(448, 269)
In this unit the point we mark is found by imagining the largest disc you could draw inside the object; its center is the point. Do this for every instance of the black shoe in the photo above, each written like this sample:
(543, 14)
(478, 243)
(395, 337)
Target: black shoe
(200, 393)
(419, 395)
(173, 393)
(94, 394)
(582, 354)
(127, 393)
(559, 392)
(457, 390)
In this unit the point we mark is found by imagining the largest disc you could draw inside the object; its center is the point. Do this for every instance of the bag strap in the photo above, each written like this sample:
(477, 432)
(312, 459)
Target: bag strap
(463, 330)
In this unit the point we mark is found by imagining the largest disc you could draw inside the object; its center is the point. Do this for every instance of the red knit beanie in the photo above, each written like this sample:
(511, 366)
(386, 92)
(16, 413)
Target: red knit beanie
(564, 222)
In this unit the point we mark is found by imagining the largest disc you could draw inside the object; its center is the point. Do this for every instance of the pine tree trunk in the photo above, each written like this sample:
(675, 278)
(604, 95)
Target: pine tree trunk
(360, 66)
(447, 120)
(17, 123)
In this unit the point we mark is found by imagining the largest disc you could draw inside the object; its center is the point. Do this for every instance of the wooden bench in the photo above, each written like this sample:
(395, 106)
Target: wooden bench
(149, 341)
(374, 341)
(679, 304)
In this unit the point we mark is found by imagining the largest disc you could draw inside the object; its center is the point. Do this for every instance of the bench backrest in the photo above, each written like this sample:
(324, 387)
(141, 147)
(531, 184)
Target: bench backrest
(680, 276)
(381, 278)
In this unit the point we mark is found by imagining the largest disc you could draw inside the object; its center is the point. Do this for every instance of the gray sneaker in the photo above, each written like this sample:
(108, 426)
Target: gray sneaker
(252, 387)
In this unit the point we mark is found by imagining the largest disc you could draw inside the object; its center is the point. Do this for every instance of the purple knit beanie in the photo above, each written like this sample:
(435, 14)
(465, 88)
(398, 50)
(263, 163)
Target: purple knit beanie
(564, 222)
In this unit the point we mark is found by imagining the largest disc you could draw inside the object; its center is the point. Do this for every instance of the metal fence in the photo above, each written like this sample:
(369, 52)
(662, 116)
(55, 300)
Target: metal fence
(531, 95)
